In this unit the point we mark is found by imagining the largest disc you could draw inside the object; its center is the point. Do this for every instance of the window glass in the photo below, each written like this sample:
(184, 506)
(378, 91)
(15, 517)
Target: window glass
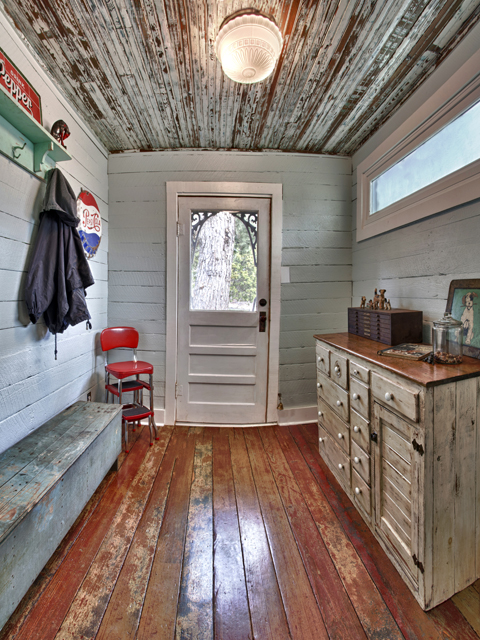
(452, 148)
(223, 263)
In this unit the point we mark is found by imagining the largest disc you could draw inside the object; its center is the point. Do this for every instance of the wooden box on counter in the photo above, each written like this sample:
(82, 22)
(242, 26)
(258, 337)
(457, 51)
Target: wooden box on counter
(390, 327)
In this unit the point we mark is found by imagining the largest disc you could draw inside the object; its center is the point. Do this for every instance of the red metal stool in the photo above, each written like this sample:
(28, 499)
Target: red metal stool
(127, 337)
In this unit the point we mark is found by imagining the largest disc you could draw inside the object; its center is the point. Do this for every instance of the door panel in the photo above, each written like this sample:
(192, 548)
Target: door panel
(224, 268)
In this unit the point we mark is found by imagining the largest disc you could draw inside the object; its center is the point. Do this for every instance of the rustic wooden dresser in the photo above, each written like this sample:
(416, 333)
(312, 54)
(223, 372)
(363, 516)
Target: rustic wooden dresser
(401, 437)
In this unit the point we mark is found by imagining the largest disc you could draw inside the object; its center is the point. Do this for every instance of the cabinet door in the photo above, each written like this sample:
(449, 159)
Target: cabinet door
(398, 460)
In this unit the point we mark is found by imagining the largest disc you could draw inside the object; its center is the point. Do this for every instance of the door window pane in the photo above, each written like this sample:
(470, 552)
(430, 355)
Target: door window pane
(223, 262)
(450, 149)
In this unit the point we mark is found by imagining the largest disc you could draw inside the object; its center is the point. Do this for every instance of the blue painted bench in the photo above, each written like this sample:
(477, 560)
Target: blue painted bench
(46, 479)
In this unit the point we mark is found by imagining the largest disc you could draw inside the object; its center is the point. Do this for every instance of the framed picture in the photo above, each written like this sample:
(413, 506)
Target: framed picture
(464, 305)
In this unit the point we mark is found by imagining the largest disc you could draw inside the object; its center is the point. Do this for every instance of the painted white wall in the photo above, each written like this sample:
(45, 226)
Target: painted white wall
(416, 263)
(33, 386)
(316, 252)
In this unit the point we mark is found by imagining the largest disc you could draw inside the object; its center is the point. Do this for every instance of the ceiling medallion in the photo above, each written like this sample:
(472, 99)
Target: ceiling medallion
(248, 45)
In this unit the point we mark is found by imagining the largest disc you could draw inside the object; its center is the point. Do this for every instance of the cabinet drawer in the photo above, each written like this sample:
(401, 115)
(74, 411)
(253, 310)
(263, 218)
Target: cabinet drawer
(361, 462)
(339, 369)
(395, 396)
(333, 395)
(323, 359)
(337, 460)
(360, 398)
(359, 372)
(361, 493)
(334, 425)
(360, 431)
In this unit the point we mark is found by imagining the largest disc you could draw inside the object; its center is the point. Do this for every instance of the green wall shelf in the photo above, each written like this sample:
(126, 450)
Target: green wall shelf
(25, 141)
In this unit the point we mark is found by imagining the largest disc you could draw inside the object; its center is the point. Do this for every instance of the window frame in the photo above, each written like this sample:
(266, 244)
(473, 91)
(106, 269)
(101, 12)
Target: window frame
(455, 97)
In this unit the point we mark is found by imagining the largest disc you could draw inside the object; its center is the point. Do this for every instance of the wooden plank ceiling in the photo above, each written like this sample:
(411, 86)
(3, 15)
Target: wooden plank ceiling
(144, 74)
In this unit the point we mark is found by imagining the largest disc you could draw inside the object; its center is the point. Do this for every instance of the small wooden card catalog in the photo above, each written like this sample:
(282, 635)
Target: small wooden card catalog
(390, 327)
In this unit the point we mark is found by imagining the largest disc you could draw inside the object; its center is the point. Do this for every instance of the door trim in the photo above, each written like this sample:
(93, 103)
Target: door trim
(238, 189)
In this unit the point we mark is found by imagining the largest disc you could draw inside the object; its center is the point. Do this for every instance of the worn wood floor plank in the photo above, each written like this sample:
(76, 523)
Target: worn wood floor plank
(338, 613)
(122, 616)
(372, 611)
(266, 607)
(88, 606)
(304, 619)
(412, 621)
(55, 601)
(161, 600)
(468, 603)
(451, 622)
(195, 604)
(232, 619)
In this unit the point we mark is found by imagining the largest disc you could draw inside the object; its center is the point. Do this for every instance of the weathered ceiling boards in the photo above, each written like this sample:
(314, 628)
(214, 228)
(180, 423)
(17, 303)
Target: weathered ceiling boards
(144, 74)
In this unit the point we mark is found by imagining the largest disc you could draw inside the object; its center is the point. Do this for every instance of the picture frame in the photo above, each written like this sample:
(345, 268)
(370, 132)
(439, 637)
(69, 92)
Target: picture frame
(463, 304)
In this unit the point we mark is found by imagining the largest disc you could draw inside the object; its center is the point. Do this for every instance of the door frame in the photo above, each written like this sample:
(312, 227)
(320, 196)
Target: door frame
(237, 189)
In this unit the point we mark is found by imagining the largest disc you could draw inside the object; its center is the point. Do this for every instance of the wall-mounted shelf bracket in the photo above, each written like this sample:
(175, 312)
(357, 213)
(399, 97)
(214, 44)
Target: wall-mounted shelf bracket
(39, 152)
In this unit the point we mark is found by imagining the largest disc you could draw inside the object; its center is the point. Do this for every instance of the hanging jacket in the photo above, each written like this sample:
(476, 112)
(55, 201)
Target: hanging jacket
(59, 272)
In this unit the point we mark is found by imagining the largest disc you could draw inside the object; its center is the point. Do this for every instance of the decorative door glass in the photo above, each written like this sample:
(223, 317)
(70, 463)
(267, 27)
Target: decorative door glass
(223, 260)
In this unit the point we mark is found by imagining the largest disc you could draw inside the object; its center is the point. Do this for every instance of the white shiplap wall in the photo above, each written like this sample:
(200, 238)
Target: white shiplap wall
(416, 263)
(33, 386)
(316, 248)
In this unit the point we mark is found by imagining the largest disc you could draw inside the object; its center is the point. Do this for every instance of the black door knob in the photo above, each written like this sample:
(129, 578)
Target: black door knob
(262, 302)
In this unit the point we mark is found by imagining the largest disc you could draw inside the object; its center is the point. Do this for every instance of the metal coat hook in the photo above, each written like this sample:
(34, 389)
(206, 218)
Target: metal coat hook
(18, 147)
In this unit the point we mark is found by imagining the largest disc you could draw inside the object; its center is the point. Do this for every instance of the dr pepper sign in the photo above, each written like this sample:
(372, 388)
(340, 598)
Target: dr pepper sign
(90, 227)
(19, 88)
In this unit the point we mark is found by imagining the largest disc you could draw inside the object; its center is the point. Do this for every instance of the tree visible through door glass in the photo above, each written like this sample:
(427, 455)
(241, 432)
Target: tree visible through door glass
(223, 260)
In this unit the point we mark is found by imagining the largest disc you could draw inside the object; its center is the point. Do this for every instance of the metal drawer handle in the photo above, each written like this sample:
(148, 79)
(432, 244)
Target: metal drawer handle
(340, 465)
(339, 403)
(340, 436)
(336, 368)
(320, 413)
(321, 440)
(355, 372)
(358, 491)
(320, 359)
(355, 396)
(356, 429)
(388, 396)
(318, 385)
(356, 460)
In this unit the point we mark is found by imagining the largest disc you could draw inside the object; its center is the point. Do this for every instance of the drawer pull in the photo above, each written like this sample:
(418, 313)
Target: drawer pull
(355, 396)
(358, 491)
(319, 385)
(320, 359)
(321, 440)
(339, 403)
(388, 396)
(320, 414)
(336, 368)
(340, 436)
(340, 465)
(356, 429)
(355, 372)
(356, 460)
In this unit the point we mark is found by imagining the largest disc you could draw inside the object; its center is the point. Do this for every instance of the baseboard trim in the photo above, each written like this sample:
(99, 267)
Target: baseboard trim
(297, 415)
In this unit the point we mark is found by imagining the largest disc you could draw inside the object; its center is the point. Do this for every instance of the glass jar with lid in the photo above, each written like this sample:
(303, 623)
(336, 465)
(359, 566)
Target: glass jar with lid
(447, 340)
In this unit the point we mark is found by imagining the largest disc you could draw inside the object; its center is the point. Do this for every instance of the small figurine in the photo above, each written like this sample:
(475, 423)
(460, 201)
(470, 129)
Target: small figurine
(60, 131)
(388, 306)
(362, 304)
(370, 304)
(381, 299)
(376, 299)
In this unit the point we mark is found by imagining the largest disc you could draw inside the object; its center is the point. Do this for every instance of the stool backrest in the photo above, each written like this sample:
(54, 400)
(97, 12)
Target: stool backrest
(117, 337)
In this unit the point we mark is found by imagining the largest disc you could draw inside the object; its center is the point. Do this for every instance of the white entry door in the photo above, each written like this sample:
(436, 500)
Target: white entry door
(223, 310)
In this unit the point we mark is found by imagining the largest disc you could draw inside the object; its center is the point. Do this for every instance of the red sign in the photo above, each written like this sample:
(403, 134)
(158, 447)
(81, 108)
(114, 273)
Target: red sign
(19, 87)
(90, 226)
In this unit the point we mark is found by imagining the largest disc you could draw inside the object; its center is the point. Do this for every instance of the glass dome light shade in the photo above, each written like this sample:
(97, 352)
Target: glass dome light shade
(248, 47)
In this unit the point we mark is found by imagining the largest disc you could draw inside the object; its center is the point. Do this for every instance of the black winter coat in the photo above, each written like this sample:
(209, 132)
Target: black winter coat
(59, 272)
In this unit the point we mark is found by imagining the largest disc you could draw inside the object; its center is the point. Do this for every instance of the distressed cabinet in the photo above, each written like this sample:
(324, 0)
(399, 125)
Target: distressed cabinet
(401, 438)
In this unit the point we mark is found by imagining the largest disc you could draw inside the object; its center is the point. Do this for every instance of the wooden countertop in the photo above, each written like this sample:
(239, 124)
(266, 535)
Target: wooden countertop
(417, 371)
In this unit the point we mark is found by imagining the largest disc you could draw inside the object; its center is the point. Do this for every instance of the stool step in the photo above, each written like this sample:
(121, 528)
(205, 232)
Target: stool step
(136, 413)
(131, 385)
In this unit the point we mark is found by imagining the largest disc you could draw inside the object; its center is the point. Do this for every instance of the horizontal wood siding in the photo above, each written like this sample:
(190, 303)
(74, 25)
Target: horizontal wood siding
(316, 248)
(33, 386)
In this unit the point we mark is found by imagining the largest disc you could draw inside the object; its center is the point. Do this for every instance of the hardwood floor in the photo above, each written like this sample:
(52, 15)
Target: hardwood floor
(227, 534)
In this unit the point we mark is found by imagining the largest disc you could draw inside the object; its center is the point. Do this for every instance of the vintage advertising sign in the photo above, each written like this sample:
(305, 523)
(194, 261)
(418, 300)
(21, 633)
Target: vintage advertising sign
(19, 88)
(90, 227)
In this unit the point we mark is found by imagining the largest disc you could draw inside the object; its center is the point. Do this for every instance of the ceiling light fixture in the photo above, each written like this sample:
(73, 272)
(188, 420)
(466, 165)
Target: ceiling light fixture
(248, 46)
